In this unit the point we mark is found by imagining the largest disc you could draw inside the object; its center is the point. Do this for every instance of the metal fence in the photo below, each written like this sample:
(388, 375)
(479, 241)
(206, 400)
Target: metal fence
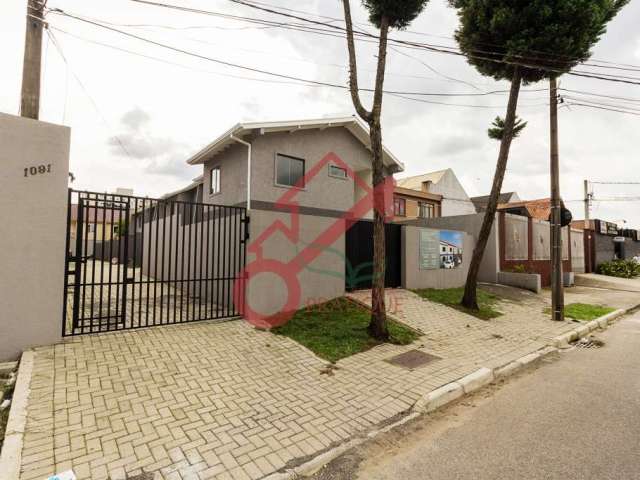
(136, 262)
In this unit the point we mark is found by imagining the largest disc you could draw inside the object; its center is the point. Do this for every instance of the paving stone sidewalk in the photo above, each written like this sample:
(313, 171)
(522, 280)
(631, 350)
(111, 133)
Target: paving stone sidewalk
(225, 401)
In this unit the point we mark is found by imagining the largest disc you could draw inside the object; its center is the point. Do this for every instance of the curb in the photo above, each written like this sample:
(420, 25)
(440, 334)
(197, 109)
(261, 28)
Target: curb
(451, 392)
(12, 448)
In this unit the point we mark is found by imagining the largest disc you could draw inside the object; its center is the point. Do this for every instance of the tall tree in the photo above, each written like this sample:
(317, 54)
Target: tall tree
(385, 15)
(523, 41)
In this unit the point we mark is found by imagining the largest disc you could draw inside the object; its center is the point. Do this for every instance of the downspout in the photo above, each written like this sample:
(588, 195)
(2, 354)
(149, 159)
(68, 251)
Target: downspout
(248, 145)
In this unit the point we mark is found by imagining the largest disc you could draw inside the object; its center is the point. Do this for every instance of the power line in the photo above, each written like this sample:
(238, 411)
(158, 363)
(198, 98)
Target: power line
(95, 105)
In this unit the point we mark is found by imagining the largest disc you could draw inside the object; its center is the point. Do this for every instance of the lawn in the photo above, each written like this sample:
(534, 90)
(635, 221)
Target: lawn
(452, 297)
(584, 311)
(338, 329)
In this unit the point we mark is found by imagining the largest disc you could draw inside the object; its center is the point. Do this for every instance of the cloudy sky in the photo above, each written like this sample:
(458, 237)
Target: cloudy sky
(137, 111)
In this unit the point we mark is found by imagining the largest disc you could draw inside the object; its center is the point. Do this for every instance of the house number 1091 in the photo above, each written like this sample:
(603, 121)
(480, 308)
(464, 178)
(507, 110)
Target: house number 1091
(39, 170)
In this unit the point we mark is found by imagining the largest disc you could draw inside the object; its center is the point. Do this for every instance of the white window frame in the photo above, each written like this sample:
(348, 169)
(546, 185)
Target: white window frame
(341, 177)
(214, 189)
(291, 157)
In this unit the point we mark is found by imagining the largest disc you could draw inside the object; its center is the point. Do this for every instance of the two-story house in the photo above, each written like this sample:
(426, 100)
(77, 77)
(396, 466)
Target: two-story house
(254, 164)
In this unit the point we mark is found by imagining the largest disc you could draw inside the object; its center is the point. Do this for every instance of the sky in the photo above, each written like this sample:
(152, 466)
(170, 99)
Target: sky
(136, 118)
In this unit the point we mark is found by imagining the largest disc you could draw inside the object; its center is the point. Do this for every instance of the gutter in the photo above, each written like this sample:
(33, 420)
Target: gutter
(248, 145)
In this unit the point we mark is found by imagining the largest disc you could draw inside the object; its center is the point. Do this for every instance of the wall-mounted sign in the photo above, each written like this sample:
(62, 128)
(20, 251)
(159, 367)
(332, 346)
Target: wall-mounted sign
(608, 228)
(618, 239)
(429, 249)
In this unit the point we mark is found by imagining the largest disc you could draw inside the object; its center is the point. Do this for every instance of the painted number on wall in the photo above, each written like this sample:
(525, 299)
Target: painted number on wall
(39, 170)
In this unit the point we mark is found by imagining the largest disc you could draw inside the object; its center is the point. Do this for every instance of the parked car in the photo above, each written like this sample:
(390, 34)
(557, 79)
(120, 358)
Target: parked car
(448, 263)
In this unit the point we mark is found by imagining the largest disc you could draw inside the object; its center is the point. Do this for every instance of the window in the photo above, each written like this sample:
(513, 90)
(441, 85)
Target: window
(215, 181)
(426, 210)
(399, 207)
(337, 172)
(289, 171)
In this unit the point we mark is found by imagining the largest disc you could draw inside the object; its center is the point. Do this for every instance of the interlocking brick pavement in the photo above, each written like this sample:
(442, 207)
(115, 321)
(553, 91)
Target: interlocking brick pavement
(226, 401)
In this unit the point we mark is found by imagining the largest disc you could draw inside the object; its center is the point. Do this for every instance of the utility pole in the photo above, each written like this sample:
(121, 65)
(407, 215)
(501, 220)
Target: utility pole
(587, 202)
(30, 100)
(557, 292)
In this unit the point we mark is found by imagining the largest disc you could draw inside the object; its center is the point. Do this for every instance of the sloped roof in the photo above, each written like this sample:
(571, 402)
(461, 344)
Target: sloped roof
(540, 209)
(481, 202)
(415, 182)
(241, 130)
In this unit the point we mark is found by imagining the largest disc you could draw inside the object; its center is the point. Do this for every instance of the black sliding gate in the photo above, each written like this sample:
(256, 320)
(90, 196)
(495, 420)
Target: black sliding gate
(359, 253)
(136, 262)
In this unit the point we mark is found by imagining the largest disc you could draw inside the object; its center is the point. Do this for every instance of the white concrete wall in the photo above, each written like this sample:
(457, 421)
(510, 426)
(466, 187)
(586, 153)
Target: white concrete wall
(33, 209)
(455, 200)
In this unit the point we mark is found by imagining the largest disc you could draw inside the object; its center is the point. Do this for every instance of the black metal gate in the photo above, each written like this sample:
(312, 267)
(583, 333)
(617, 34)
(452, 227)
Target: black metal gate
(136, 262)
(359, 250)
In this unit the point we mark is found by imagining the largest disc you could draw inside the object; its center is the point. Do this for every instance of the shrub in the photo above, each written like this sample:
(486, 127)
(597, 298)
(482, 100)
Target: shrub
(620, 268)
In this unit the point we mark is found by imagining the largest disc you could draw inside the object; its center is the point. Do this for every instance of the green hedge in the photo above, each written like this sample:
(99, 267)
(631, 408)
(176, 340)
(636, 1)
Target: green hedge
(620, 268)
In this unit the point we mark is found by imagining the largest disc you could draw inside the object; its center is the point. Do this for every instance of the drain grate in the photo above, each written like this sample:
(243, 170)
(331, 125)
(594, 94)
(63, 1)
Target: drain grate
(413, 359)
(588, 342)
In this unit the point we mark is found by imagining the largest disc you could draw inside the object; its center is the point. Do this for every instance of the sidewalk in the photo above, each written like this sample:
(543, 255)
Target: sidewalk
(223, 400)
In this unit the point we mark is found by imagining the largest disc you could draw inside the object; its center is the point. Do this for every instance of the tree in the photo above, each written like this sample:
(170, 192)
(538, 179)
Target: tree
(496, 131)
(385, 15)
(523, 41)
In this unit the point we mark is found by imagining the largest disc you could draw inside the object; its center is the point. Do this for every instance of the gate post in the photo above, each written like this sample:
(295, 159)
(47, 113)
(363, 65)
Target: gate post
(34, 175)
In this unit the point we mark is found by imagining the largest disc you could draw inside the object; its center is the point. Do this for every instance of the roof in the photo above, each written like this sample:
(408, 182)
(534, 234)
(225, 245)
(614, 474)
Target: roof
(241, 130)
(481, 202)
(408, 192)
(415, 182)
(199, 180)
(540, 209)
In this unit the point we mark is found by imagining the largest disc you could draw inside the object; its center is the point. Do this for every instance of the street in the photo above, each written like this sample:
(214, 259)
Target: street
(573, 417)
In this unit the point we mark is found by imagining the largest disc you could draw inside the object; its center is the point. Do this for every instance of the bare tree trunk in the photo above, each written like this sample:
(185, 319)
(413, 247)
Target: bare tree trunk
(470, 298)
(378, 325)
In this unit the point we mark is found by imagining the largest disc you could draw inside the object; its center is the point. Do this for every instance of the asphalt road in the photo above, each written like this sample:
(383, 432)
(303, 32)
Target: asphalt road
(573, 417)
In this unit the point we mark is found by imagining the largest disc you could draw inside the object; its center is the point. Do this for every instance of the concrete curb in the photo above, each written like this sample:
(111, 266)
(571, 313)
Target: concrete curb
(585, 329)
(12, 448)
(449, 393)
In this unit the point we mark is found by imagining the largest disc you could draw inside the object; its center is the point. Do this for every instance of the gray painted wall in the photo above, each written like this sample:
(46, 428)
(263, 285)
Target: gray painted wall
(323, 192)
(471, 224)
(413, 277)
(455, 200)
(32, 245)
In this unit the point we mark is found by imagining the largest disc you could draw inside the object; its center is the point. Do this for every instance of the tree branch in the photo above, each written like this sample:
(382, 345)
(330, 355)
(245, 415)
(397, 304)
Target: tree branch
(353, 66)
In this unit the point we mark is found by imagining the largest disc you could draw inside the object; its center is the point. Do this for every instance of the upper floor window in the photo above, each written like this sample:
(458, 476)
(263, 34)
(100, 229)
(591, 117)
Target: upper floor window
(338, 172)
(399, 207)
(426, 210)
(215, 180)
(289, 171)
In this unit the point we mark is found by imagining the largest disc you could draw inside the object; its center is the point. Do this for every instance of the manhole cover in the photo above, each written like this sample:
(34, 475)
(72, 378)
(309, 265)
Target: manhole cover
(589, 342)
(413, 359)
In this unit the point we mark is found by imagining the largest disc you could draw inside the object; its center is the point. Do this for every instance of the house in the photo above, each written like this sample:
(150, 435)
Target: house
(408, 203)
(447, 195)
(539, 209)
(194, 192)
(102, 221)
(324, 166)
(481, 202)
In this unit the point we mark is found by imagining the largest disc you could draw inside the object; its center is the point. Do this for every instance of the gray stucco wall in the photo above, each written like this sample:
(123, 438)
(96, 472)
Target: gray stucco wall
(33, 210)
(471, 224)
(322, 192)
(320, 280)
(413, 277)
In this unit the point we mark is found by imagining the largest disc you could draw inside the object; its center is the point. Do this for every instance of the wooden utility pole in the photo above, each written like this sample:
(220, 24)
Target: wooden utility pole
(30, 100)
(557, 292)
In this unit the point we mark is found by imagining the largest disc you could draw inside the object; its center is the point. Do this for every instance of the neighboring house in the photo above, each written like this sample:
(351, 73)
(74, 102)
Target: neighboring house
(444, 183)
(481, 202)
(539, 209)
(409, 204)
(101, 221)
(191, 193)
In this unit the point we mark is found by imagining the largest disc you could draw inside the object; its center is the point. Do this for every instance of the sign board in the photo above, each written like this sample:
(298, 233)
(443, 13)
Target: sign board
(608, 228)
(429, 249)
(618, 239)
